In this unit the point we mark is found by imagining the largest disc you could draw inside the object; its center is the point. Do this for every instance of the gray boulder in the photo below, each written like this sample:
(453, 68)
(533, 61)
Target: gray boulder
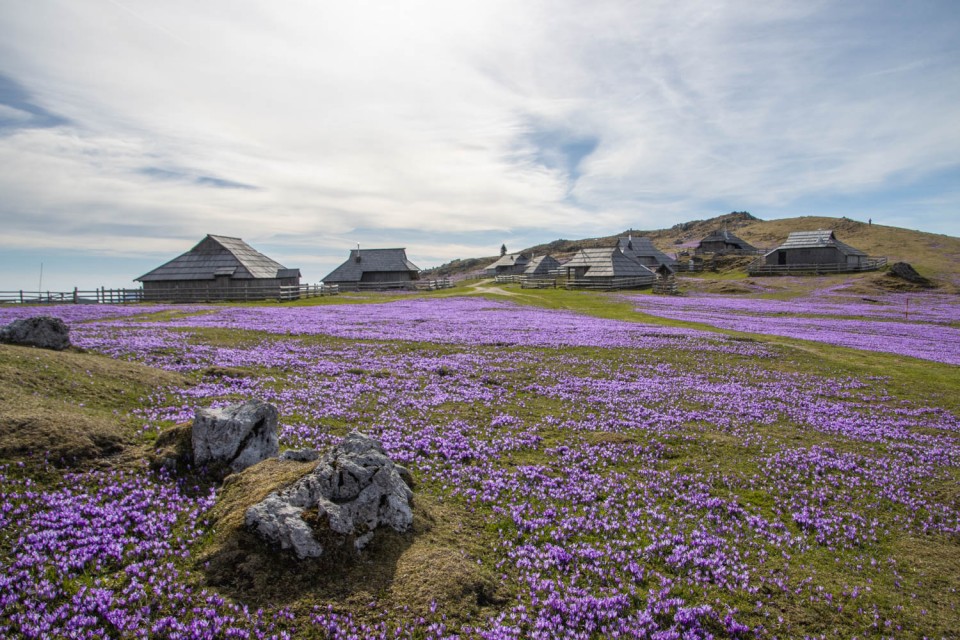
(237, 436)
(355, 489)
(300, 455)
(40, 331)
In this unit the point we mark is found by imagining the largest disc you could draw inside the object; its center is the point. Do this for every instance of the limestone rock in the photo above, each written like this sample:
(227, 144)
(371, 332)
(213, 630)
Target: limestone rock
(300, 455)
(44, 332)
(353, 490)
(238, 436)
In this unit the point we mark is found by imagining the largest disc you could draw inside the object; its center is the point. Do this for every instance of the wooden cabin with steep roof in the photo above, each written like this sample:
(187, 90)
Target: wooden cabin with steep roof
(542, 267)
(722, 242)
(375, 269)
(218, 268)
(511, 264)
(605, 268)
(814, 252)
(642, 250)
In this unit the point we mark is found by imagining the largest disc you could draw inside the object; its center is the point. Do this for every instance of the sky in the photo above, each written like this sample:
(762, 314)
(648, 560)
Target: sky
(130, 129)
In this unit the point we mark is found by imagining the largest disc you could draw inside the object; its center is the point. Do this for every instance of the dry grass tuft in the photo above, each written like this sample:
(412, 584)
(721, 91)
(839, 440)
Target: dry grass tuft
(70, 407)
(173, 449)
(58, 436)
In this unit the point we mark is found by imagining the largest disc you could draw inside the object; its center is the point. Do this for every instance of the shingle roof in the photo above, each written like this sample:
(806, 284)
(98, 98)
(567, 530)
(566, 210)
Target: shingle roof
(510, 260)
(371, 260)
(220, 256)
(817, 240)
(722, 235)
(541, 265)
(608, 262)
(641, 247)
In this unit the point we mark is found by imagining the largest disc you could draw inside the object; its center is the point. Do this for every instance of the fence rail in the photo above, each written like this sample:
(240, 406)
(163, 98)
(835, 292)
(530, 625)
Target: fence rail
(607, 284)
(434, 285)
(757, 269)
(104, 295)
(539, 283)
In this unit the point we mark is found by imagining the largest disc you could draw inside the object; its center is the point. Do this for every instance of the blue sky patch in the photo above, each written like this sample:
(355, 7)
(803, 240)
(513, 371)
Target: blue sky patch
(18, 110)
(560, 150)
(203, 181)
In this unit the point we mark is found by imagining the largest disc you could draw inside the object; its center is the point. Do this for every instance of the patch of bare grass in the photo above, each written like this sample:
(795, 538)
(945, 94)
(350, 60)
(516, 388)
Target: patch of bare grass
(70, 407)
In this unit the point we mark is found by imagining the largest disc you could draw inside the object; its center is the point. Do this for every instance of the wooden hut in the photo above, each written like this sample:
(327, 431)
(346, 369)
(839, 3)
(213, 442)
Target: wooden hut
(542, 267)
(723, 242)
(642, 250)
(605, 268)
(814, 251)
(511, 264)
(666, 281)
(375, 269)
(218, 268)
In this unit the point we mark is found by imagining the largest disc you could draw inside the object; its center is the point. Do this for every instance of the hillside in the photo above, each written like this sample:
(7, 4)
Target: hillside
(933, 255)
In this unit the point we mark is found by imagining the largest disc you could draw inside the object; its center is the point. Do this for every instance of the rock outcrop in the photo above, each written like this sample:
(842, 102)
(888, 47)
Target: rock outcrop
(905, 271)
(353, 490)
(44, 332)
(237, 436)
(300, 455)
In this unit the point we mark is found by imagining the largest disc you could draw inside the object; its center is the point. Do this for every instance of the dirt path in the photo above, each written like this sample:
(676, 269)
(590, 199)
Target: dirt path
(484, 286)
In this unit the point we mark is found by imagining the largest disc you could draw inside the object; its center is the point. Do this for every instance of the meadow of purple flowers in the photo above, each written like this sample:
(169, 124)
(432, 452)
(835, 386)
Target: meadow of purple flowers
(925, 326)
(642, 481)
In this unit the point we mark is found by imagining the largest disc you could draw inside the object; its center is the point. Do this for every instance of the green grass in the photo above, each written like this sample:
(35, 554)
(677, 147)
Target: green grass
(439, 562)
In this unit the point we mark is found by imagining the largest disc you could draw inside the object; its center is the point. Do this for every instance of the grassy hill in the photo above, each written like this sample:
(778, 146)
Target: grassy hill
(934, 255)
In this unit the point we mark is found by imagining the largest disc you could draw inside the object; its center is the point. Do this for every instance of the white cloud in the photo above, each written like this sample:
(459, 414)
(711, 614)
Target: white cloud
(420, 116)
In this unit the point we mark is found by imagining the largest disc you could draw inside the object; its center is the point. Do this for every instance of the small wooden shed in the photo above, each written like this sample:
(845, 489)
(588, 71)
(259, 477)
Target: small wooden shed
(541, 267)
(819, 247)
(375, 269)
(218, 268)
(642, 250)
(666, 281)
(511, 264)
(723, 242)
(605, 268)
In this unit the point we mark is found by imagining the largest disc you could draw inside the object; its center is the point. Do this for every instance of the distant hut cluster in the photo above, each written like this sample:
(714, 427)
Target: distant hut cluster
(630, 264)
(219, 268)
(227, 268)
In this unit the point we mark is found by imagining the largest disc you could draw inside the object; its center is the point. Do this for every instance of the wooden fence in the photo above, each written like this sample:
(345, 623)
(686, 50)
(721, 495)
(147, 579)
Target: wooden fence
(434, 285)
(539, 283)
(399, 285)
(757, 268)
(606, 284)
(103, 295)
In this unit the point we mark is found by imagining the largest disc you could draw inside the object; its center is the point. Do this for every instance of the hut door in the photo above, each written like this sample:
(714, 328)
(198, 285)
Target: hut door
(781, 257)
